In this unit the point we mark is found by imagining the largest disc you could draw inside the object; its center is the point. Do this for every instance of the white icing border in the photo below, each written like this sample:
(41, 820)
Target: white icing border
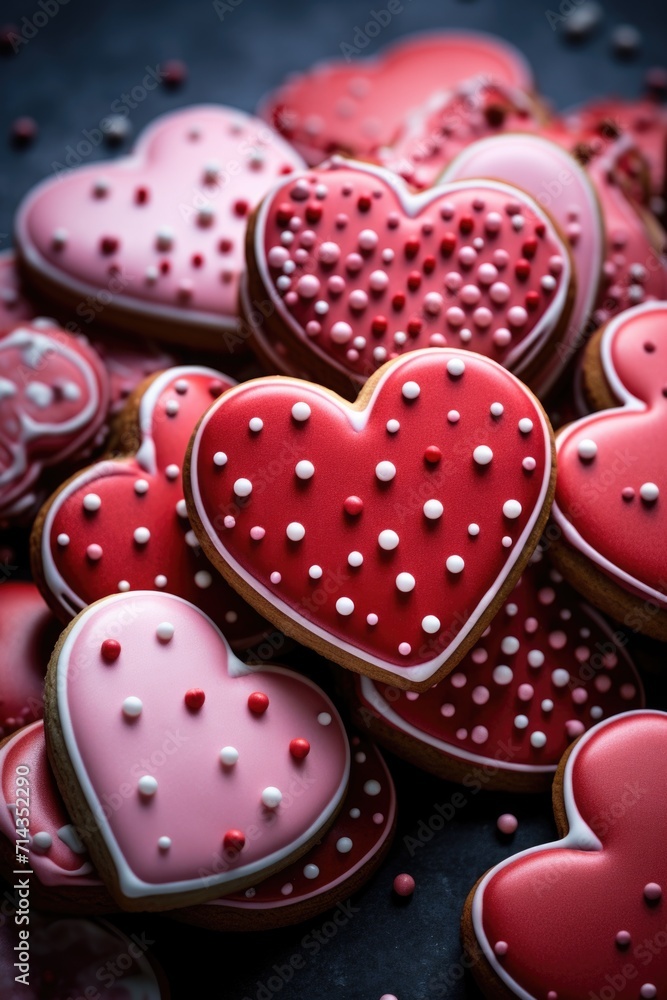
(133, 306)
(358, 420)
(412, 203)
(629, 403)
(579, 837)
(130, 884)
(145, 457)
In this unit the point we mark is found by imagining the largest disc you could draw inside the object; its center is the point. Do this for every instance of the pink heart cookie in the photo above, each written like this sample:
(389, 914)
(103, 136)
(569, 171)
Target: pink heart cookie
(54, 397)
(28, 633)
(562, 186)
(358, 269)
(547, 668)
(356, 107)
(184, 768)
(609, 507)
(384, 533)
(349, 853)
(121, 524)
(157, 238)
(585, 916)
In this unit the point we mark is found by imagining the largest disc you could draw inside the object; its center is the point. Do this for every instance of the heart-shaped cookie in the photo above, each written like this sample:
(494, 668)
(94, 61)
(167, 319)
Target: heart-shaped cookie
(188, 773)
(54, 397)
(585, 917)
(357, 269)
(610, 499)
(121, 524)
(547, 668)
(357, 106)
(384, 533)
(155, 240)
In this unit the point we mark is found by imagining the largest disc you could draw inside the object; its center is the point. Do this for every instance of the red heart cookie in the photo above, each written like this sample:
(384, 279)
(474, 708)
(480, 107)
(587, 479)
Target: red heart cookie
(585, 917)
(157, 238)
(357, 106)
(54, 396)
(121, 524)
(188, 773)
(358, 269)
(547, 668)
(612, 475)
(28, 633)
(348, 854)
(556, 180)
(384, 533)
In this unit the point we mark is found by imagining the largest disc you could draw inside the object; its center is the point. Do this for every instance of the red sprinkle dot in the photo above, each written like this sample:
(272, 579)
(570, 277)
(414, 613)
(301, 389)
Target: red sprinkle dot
(414, 326)
(466, 224)
(23, 131)
(529, 248)
(234, 841)
(353, 505)
(414, 280)
(174, 73)
(433, 454)
(258, 702)
(225, 245)
(379, 324)
(110, 650)
(313, 211)
(197, 260)
(404, 884)
(540, 229)
(141, 195)
(532, 300)
(447, 243)
(398, 301)
(284, 213)
(194, 699)
(522, 269)
(429, 264)
(364, 202)
(241, 207)
(108, 244)
(165, 266)
(411, 246)
(299, 748)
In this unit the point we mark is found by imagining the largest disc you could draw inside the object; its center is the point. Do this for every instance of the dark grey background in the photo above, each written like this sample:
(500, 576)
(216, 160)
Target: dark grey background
(67, 77)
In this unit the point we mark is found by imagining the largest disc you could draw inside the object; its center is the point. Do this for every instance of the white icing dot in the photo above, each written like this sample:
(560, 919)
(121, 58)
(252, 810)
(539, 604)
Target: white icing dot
(295, 531)
(275, 577)
(510, 645)
(304, 469)
(405, 582)
(535, 658)
(132, 707)
(341, 332)
(141, 535)
(147, 785)
(410, 390)
(172, 472)
(165, 631)
(315, 572)
(547, 705)
(372, 787)
(560, 678)
(482, 454)
(141, 486)
(243, 487)
(301, 411)
(385, 471)
(42, 840)
(311, 871)
(255, 424)
(63, 539)
(229, 756)
(587, 449)
(455, 564)
(388, 540)
(473, 530)
(431, 624)
(433, 509)
(272, 797)
(344, 845)
(203, 579)
(287, 889)
(324, 719)
(123, 586)
(456, 366)
(372, 619)
(525, 425)
(393, 426)
(497, 409)
(220, 458)
(164, 843)
(649, 492)
(92, 502)
(344, 606)
(521, 721)
(538, 740)
(506, 542)
(355, 813)
(172, 407)
(503, 675)
(512, 509)
(181, 508)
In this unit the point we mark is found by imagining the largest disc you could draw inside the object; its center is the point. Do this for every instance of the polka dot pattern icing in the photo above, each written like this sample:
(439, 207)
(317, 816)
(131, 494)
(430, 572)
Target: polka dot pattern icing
(355, 611)
(612, 475)
(610, 866)
(450, 282)
(54, 396)
(161, 230)
(545, 671)
(133, 511)
(210, 810)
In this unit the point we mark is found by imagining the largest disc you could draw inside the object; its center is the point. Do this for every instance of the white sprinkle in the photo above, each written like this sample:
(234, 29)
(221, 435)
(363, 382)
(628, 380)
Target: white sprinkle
(538, 740)
(165, 631)
(560, 678)
(473, 530)
(324, 719)
(512, 509)
(147, 785)
(344, 845)
(304, 469)
(315, 572)
(482, 454)
(160, 580)
(301, 411)
(521, 721)
(141, 486)
(272, 797)
(91, 502)
(172, 472)
(410, 390)
(503, 675)
(649, 492)
(141, 535)
(63, 539)
(311, 871)
(220, 458)
(393, 426)
(455, 564)
(456, 366)
(433, 509)
(242, 487)
(164, 843)
(203, 579)
(587, 449)
(132, 707)
(405, 582)
(388, 540)
(344, 606)
(123, 586)
(295, 531)
(431, 624)
(385, 471)
(172, 407)
(525, 425)
(497, 409)
(355, 559)
(42, 840)
(510, 645)
(372, 787)
(535, 658)
(229, 756)
(255, 424)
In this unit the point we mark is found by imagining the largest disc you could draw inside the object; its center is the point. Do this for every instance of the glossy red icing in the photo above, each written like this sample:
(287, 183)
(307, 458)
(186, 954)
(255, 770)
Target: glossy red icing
(28, 633)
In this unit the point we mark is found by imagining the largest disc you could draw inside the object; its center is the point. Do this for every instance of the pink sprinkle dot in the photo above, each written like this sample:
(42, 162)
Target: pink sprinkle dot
(458, 680)
(462, 734)
(525, 692)
(447, 710)
(388, 996)
(557, 639)
(405, 649)
(623, 939)
(552, 995)
(257, 533)
(94, 552)
(404, 885)
(378, 819)
(574, 728)
(652, 891)
(229, 522)
(480, 734)
(480, 695)
(648, 991)
(580, 696)
(500, 948)
(507, 823)
(275, 578)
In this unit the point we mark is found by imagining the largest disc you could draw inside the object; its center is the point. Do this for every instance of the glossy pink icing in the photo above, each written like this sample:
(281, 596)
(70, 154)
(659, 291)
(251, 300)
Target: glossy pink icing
(358, 106)
(435, 134)
(358, 833)
(54, 396)
(439, 399)
(28, 633)
(143, 491)
(546, 669)
(599, 502)
(57, 863)
(180, 203)
(71, 955)
(560, 908)
(346, 247)
(198, 797)
(562, 187)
